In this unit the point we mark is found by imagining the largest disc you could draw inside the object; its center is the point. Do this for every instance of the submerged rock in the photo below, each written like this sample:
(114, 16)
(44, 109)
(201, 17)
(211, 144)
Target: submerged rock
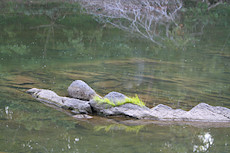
(80, 90)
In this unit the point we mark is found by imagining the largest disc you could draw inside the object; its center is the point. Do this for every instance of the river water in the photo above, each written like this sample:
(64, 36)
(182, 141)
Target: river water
(49, 46)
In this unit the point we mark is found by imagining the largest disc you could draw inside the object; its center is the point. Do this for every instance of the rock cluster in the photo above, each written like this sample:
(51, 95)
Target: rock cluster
(82, 102)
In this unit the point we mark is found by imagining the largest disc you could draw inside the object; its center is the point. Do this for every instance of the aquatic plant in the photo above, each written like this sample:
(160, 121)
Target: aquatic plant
(103, 100)
(120, 127)
(133, 100)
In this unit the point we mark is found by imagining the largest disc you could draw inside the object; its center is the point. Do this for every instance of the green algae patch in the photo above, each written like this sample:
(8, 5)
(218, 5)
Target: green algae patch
(112, 127)
(133, 100)
(103, 101)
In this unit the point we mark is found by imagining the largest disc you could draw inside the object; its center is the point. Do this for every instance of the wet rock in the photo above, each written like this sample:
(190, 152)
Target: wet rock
(33, 91)
(115, 97)
(80, 90)
(202, 112)
(208, 113)
(82, 116)
(46, 95)
(50, 97)
(78, 106)
(100, 107)
(128, 110)
(165, 112)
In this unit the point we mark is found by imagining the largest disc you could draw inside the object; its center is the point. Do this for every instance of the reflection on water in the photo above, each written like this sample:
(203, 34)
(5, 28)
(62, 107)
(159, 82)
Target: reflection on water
(8, 112)
(113, 127)
(149, 19)
(49, 46)
(206, 140)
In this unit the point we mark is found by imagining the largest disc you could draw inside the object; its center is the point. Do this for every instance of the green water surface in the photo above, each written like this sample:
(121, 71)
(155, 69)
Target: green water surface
(49, 45)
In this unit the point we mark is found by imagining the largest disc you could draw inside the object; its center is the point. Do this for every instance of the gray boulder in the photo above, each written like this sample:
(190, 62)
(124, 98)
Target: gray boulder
(128, 109)
(80, 90)
(208, 113)
(78, 106)
(202, 113)
(164, 112)
(50, 97)
(100, 107)
(85, 104)
(115, 97)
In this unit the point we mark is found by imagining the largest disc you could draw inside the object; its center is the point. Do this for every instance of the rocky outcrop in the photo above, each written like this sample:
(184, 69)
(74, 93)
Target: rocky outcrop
(84, 103)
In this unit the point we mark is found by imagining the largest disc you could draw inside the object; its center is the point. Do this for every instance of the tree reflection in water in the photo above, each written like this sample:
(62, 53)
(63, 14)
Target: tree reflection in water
(151, 19)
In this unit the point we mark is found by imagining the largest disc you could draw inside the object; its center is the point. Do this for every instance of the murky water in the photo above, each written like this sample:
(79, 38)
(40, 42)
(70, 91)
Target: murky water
(49, 50)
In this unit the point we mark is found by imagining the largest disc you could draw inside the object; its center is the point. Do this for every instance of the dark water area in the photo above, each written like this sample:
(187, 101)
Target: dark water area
(49, 45)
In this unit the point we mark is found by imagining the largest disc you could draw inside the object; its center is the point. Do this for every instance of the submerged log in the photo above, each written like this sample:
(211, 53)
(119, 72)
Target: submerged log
(86, 104)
